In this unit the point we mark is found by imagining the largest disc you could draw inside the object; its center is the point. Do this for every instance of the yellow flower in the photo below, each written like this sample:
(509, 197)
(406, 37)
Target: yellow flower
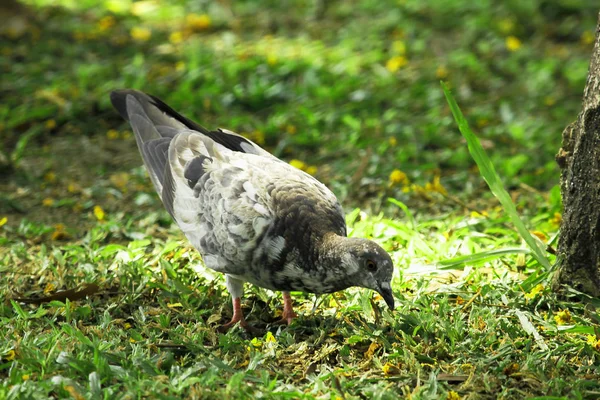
(298, 164)
(399, 47)
(257, 136)
(290, 129)
(513, 43)
(132, 340)
(395, 63)
(59, 232)
(587, 37)
(393, 141)
(10, 355)
(563, 317)
(50, 124)
(540, 235)
(180, 66)
(50, 287)
(441, 72)
(48, 202)
(127, 325)
(511, 369)
(197, 22)
(255, 343)
(371, 350)
(176, 37)
(311, 170)
(535, 291)
(112, 134)
(506, 25)
(452, 395)
(556, 218)
(73, 187)
(140, 34)
(3, 221)
(106, 23)
(271, 59)
(398, 176)
(270, 338)
(476, 214)
(390, 369)
(73, 392)
(436, 186)
(50, 177)
(25, 377)
(119, 180)
(99, 213)
(593, 341)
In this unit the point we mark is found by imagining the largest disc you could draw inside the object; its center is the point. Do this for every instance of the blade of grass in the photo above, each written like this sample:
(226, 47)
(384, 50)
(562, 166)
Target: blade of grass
(479, 258)
(406, 210)
(588, 330)
(489, 174)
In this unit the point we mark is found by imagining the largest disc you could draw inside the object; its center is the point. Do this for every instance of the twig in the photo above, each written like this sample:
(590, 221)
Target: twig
(471, 300)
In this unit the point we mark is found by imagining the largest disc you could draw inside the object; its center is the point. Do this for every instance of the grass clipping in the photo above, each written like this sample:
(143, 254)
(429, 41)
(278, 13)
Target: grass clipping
(492, 178)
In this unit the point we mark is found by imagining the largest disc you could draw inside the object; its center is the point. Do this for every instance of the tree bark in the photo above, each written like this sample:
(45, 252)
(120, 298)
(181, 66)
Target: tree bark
(579, 160)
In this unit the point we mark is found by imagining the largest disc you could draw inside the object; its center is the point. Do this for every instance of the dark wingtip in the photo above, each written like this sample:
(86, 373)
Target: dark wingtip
(118, 98)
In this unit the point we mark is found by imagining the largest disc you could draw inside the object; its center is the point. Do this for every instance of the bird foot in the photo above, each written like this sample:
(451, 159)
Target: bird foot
(286, 318)
(288, 310)
(238, 317)
(242, 322)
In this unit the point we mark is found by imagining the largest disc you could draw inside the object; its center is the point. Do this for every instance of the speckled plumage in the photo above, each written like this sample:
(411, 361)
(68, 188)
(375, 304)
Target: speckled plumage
(250, 215)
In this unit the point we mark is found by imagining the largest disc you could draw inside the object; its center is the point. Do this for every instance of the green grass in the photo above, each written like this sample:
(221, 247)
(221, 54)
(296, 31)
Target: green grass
(476, 316)
(152, 326)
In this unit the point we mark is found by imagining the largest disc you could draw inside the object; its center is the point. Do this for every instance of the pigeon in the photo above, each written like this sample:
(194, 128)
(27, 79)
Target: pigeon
(250, 215)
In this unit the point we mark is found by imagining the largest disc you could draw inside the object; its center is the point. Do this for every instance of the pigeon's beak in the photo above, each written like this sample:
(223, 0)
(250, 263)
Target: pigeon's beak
(385, 290)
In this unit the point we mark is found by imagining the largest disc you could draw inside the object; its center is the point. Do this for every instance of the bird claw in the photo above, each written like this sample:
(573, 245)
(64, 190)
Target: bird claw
(242, 322)
(238, 317)
(286, 318)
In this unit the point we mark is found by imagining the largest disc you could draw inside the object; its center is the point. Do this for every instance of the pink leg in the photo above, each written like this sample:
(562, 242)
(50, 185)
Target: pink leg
(288, 309)
(238, 316)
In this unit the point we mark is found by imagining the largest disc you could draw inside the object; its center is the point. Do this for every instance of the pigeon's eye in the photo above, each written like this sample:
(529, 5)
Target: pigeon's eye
(371, 265)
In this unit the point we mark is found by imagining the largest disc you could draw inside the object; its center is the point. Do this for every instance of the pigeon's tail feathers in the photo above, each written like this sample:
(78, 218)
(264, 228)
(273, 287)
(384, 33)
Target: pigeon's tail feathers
(167, 120)
(153, 131)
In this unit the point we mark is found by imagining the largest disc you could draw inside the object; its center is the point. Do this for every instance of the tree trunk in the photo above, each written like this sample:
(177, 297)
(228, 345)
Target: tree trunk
(579, 160)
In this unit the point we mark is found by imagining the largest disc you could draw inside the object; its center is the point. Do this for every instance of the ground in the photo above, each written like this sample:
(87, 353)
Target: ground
(349, 92)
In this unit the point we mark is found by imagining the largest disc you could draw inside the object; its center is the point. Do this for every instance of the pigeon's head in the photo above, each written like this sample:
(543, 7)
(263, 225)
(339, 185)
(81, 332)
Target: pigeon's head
(373, 267)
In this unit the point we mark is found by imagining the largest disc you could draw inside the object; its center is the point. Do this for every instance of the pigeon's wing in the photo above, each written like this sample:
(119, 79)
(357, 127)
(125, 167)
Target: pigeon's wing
(202, 177)
(219, 199)
(155, 124)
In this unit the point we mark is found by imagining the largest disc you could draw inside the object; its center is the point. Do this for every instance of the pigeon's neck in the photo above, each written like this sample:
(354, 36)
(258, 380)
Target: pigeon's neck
(336, 256)
(332, 245)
